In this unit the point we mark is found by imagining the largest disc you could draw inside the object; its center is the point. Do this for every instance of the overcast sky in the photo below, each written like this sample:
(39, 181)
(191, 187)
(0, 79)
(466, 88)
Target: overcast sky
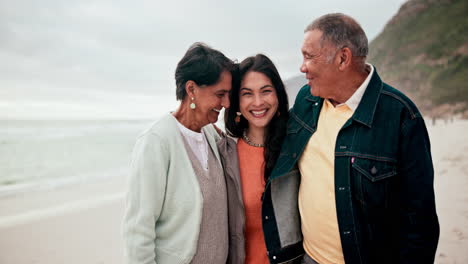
(116, 59)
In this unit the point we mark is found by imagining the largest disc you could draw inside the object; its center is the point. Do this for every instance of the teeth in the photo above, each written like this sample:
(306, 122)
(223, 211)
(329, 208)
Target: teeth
(258, 112)
(216, 110)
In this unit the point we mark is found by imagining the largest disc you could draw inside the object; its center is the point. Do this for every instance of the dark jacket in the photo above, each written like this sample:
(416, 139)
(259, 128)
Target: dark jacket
(383, 181)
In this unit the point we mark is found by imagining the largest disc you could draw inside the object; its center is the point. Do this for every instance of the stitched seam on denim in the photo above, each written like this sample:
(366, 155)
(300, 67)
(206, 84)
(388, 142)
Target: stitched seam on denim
(375, 106)
(362, 122)
(368, 156)
(292, 130)
(384, 176)
(350, 199)
(288, 261)
(311, 98)
(413, 115)
(363, 171)
(372, 178)
(405, 125)
(302, 122)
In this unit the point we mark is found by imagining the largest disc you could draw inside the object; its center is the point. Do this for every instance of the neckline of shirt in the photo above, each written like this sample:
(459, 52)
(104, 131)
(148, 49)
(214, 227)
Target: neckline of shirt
(355, 99)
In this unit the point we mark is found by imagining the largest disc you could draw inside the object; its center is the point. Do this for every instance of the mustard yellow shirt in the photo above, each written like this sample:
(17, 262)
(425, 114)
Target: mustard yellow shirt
(317, 190)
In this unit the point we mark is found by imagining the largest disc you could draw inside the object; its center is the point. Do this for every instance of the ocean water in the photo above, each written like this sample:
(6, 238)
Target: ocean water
(40, 153)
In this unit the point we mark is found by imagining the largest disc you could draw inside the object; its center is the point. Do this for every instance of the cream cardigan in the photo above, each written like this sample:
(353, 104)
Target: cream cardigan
(164, 202)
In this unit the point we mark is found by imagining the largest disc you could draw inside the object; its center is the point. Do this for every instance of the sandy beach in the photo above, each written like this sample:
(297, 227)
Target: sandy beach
(81, 223)
(73, 224)
(450, 155)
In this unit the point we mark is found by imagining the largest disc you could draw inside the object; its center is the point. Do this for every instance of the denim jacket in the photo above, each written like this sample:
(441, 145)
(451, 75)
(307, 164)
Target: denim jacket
(384, 175)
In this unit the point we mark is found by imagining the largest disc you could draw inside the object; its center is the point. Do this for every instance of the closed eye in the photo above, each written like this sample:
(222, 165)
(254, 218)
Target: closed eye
(245, 91)
(220, 95)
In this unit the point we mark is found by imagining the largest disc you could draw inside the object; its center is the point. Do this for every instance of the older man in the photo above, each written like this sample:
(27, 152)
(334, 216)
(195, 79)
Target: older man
(354, 180)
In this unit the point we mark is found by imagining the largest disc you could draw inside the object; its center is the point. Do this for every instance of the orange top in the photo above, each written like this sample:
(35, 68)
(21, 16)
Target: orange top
(251, 164)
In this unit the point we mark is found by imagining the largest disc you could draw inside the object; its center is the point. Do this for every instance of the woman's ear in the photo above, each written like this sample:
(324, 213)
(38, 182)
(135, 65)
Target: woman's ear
(190, 88)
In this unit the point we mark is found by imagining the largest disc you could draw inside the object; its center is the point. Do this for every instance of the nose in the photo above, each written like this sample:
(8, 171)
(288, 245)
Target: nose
(257, 100)
(303, 67)
(225, 101)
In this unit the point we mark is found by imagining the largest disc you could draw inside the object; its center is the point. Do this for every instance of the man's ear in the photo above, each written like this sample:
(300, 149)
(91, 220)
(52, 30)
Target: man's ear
(190, 88)
(344, 58)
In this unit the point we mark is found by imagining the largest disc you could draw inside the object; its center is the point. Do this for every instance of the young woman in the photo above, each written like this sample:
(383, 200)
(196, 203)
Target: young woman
(255, 124)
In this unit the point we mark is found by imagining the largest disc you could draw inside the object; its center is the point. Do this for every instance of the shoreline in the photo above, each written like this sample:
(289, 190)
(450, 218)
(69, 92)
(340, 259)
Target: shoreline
(41, 201)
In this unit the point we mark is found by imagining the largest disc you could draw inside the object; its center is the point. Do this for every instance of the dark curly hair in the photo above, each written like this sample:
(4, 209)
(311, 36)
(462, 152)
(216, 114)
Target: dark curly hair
(276, 129)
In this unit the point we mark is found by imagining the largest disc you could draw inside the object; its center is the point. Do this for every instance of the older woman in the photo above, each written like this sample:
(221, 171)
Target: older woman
(256, 125)
(177, 202)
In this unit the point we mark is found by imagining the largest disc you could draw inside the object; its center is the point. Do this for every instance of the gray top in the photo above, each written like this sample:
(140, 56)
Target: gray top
(213, 241)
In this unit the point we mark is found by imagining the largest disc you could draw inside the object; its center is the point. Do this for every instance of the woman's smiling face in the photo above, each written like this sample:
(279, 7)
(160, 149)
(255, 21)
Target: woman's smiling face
(211, 99)
(258, 101)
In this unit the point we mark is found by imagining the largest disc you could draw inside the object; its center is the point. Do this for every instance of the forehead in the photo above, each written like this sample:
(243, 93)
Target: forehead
(255, 80)
(312, 40)
(224, 83)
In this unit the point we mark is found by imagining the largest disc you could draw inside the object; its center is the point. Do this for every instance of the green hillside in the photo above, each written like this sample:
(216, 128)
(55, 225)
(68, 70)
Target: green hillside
(423, 51)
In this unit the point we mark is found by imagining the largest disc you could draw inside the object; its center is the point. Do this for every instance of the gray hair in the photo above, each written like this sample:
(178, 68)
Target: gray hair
(341, 31)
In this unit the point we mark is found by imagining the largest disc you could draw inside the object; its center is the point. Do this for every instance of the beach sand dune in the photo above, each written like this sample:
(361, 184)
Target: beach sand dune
(81, 223)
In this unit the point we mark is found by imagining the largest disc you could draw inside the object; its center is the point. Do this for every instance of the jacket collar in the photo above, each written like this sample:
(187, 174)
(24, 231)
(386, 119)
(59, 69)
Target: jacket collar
(309, 97)
(365, 111)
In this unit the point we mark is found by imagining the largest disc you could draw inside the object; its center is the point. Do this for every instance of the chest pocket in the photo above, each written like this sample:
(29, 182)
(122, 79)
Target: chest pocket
(373, 180)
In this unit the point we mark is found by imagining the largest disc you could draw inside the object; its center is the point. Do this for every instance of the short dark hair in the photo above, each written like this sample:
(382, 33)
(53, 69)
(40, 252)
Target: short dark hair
(341, 30)
(276, 129)
(201, 64)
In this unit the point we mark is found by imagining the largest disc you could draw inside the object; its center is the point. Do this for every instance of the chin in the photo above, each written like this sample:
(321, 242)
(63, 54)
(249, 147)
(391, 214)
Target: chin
(316, 94)
(261, 124)
(213, 120)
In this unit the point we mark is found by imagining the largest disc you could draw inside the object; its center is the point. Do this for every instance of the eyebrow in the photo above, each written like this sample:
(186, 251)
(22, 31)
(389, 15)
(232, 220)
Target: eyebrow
(263, 87)
(266, 86)
(222, 91)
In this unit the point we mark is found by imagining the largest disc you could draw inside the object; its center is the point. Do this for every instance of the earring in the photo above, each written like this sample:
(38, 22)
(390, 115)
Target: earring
(237, 119)
(278, 113)
(192, 105)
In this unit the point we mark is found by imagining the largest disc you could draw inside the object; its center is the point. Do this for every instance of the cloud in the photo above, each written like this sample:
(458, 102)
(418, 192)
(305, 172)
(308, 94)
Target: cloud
(133, 46)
